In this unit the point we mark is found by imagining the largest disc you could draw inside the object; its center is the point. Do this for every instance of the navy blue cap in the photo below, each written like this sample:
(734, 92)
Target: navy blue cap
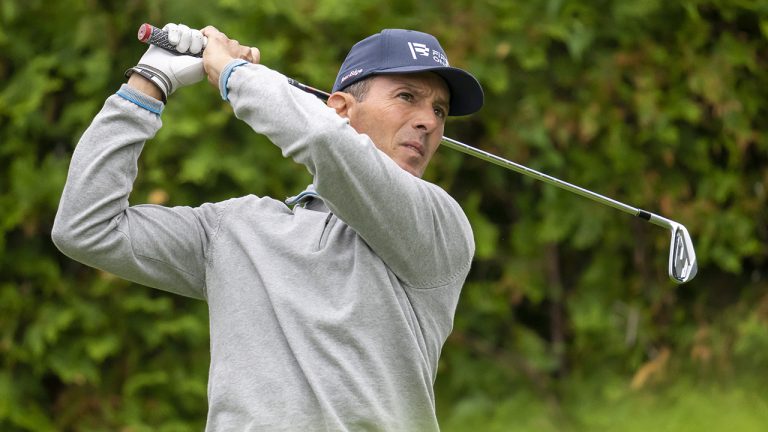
(396, 51)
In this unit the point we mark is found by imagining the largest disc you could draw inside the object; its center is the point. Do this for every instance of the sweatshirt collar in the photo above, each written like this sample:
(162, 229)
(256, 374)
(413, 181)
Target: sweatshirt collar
(305, 197)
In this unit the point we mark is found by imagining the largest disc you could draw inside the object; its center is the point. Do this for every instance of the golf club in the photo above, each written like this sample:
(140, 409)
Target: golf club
(682, 258)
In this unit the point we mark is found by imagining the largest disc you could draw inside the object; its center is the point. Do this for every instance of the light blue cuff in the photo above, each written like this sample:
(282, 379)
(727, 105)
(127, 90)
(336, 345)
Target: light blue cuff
(139, 98)
(224, 76)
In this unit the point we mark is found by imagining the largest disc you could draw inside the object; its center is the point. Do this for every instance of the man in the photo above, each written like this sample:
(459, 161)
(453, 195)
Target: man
(328, 313)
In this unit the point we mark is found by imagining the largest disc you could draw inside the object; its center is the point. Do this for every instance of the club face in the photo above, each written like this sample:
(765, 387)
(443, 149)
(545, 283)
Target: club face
(682, 257)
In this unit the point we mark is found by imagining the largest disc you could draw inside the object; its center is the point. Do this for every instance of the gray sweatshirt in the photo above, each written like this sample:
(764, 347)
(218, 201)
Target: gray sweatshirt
(326, 316)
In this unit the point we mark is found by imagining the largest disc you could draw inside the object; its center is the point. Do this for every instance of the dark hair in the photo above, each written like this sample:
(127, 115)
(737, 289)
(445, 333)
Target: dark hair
(359, 89)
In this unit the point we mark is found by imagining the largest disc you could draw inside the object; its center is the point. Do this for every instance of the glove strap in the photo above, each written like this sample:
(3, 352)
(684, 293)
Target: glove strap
(156, 76)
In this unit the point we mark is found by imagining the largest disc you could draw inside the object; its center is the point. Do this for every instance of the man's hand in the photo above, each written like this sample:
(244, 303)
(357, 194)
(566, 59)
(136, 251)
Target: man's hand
(166, 70)
(221, 50)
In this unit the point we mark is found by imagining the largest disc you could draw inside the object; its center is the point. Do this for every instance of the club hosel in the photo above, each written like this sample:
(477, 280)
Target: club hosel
(657, 220)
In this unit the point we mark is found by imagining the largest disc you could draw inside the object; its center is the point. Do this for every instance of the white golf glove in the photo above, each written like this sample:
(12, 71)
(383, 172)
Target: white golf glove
(170, 71)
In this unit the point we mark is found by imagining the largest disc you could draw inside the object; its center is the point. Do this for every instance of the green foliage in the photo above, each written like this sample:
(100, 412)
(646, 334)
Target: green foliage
(567, 321)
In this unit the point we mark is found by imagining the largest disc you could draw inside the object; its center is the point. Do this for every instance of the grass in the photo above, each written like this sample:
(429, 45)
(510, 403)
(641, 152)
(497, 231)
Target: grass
(679, 407)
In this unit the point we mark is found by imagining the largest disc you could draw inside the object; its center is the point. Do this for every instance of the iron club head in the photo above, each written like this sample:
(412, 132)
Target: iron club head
(682, 257)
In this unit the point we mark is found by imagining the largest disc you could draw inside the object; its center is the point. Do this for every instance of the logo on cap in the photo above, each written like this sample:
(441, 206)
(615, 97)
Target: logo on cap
(440, 58)
(351, 74)
(418, 48)
(423, 50)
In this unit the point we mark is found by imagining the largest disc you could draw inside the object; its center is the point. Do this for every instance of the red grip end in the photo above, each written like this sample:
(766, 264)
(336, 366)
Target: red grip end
(145, 32)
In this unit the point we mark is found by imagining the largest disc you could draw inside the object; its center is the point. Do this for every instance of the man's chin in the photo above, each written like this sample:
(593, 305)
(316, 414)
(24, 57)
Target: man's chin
(417, 172)
(413, 165)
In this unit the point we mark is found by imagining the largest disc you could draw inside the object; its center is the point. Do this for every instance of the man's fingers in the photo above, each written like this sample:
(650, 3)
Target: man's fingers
(220, 50)
(197, 42)
(210, 32)
(185, 38)
(173, 33)
(250, 54)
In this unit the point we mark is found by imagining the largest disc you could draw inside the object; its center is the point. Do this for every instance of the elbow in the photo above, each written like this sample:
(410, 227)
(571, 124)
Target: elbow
(62, 236)
(71, 238)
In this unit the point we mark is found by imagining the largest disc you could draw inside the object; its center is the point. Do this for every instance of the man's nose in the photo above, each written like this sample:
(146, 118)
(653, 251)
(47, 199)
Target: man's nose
(425, 119)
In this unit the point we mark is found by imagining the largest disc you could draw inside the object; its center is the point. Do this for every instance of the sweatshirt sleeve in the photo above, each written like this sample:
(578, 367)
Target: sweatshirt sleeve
(418, 230)
(153, 245)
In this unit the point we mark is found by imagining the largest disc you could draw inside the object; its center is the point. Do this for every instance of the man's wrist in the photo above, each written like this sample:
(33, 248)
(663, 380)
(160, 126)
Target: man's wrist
(145, 86)
(224, 76)
(141, 99)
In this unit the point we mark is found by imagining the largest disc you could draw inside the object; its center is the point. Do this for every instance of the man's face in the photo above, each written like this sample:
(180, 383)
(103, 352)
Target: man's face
(405, 116)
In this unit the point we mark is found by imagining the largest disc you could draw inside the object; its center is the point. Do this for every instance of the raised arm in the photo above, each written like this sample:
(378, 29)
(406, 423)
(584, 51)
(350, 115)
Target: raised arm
(152, 245)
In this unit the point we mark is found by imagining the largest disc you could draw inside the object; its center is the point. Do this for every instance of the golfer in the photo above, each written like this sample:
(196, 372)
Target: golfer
(327, 311)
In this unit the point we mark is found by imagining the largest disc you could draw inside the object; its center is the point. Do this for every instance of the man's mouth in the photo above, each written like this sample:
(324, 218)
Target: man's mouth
(415, 146)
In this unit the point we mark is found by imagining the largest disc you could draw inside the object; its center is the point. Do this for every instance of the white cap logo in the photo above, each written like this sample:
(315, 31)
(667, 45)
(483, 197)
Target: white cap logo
(355, 72)
(418, 48)
(423, 50)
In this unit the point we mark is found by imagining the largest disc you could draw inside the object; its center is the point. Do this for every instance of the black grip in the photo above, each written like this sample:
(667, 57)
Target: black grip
(159, 38)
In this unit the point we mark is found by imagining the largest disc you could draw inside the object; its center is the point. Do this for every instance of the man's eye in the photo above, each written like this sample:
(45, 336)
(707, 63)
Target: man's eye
(405, 96)
(440, 112)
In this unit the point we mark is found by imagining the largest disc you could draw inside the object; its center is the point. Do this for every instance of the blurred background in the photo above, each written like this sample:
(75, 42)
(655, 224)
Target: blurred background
(568, 321)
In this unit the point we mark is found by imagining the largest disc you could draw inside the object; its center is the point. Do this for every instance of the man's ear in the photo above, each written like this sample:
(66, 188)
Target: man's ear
(341, 102)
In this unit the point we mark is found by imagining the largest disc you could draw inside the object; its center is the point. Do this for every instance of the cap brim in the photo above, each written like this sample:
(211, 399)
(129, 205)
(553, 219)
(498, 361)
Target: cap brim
(466, 92)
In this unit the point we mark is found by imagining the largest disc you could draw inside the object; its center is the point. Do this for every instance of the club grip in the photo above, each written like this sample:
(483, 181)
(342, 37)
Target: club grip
(158, 37)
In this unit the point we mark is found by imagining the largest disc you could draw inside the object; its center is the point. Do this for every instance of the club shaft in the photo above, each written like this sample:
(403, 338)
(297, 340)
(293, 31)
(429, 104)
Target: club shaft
(529, 172)
(489, 157)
